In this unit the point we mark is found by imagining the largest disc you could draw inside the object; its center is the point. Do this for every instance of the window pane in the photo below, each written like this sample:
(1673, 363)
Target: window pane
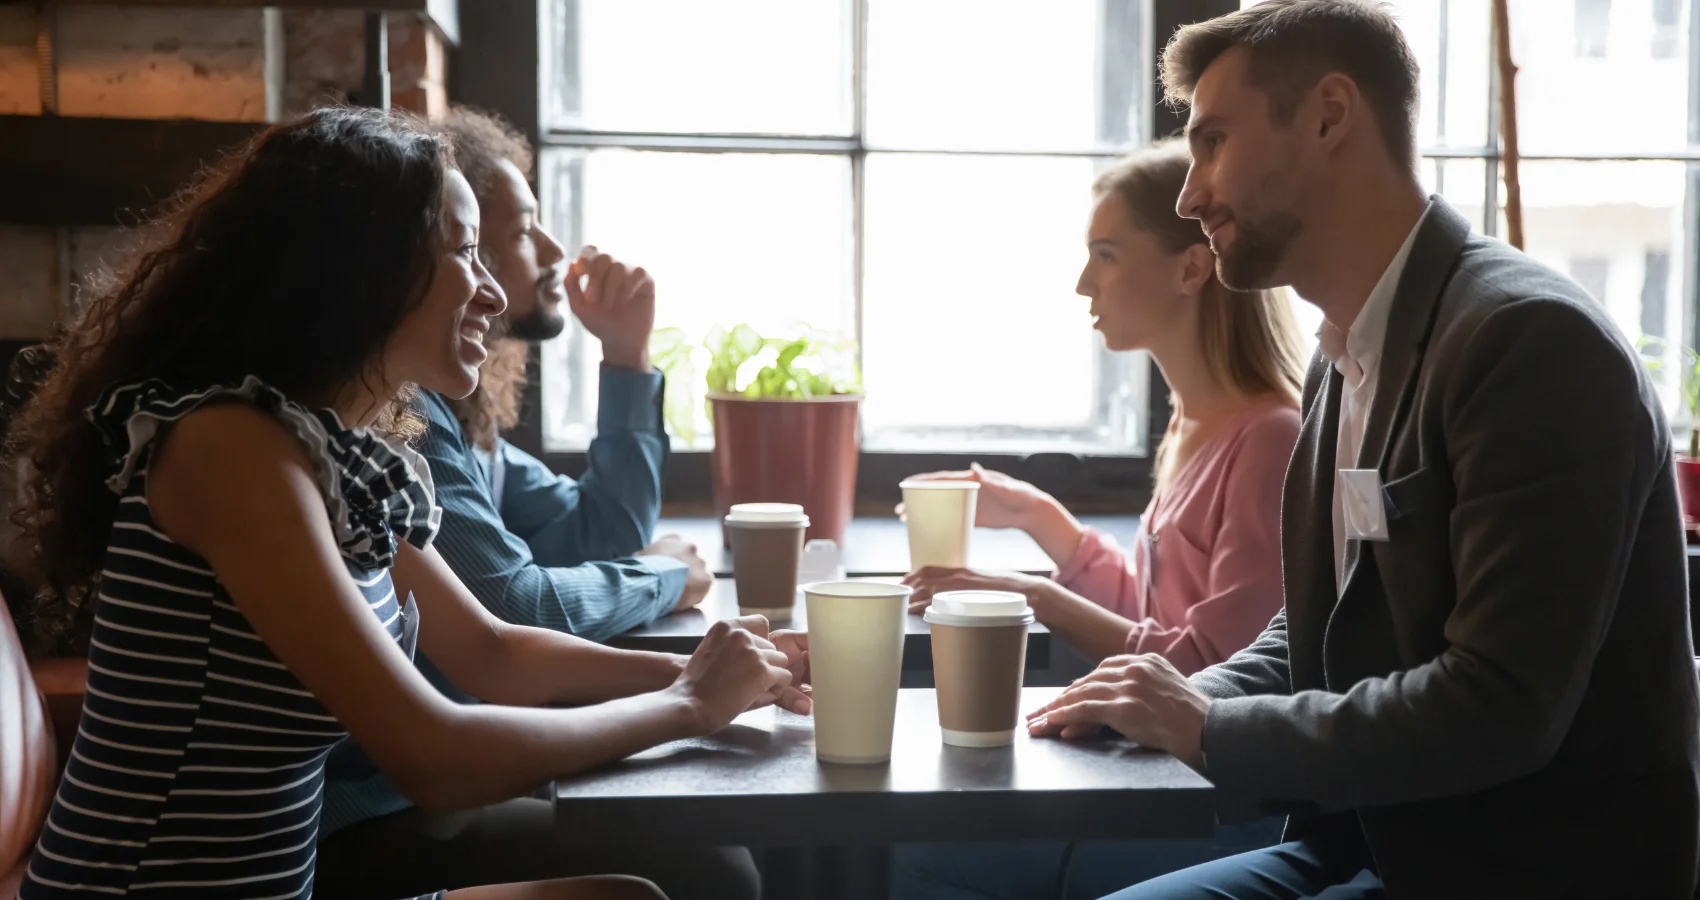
(970, 320)
(684, 66)
(1421, 23)
(729, 238)
(1614, 227)
(992, 74)
(1609, 79)
(1462, 182)
(1667, 29)
(1468, 54)
(1451, 41)
(1593, 28)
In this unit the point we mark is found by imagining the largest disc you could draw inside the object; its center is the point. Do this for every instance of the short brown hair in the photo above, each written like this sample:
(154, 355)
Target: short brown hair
(482, 140)
(1293, 44)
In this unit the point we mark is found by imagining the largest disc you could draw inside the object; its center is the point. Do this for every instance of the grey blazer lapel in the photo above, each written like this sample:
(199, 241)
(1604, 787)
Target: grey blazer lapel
(1434, 255)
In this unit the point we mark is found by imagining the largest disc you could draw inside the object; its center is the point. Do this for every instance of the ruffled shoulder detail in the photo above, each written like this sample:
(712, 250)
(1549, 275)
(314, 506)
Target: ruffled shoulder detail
(375, 486)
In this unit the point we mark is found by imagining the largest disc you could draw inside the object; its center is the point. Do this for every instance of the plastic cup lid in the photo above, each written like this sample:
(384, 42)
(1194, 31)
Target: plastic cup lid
(1000, 604)
(767, 514)
(939, 485)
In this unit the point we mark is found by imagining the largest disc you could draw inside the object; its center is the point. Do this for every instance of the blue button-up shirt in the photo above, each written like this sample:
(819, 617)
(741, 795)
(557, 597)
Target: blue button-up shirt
(538, 548)
(549, 551)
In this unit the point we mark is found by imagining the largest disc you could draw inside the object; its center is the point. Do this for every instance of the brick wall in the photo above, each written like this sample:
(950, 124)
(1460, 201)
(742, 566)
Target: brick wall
(325, 56)
(240, 65)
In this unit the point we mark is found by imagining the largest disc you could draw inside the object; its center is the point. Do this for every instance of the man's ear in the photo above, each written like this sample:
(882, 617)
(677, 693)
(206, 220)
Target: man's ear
(1337, 108)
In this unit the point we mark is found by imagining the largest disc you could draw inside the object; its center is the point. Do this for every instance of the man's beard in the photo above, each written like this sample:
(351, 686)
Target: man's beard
(544, 321)
(1250, 263)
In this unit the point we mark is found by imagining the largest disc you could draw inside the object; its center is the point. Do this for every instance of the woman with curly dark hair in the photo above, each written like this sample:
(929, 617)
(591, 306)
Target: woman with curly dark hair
(225, 514)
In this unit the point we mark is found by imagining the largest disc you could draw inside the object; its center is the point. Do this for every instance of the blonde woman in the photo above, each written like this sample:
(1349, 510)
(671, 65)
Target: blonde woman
(1204, 576)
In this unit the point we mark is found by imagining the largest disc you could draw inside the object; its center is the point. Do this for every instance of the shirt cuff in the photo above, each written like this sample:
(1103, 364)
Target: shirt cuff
(629, 400)
(1092, 545)
(670, 575)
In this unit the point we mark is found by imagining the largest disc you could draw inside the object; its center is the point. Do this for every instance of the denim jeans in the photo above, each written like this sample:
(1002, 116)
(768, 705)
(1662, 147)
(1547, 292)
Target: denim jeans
(1035, 870)
(1297, 870)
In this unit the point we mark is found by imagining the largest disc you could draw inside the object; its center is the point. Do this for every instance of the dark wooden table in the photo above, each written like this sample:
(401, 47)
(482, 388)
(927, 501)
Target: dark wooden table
(880, 546)
(682, 631)
(757, 783)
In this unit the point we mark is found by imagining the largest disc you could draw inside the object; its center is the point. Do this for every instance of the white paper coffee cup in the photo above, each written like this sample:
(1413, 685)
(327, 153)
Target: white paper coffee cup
(855, 662)
(940, 517)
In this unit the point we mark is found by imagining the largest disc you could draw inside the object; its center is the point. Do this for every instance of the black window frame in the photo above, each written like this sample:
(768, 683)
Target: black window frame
(497, 66)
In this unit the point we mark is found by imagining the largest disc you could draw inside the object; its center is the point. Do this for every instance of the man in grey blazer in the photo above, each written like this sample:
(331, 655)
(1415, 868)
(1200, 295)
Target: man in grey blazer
(1482, 684)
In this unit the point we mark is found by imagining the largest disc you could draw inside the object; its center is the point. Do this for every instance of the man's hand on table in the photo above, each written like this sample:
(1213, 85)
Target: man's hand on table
(1144, 698)
(698, 579)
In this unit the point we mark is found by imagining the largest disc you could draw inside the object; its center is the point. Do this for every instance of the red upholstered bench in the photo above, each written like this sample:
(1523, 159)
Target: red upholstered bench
(35, 702)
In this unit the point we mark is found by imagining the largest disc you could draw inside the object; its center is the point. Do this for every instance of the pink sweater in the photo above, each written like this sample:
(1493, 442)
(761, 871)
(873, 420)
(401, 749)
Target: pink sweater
(1205, 575)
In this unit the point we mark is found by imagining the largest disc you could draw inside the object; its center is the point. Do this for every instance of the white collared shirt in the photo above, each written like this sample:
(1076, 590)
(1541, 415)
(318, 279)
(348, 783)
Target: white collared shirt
(1356, 354)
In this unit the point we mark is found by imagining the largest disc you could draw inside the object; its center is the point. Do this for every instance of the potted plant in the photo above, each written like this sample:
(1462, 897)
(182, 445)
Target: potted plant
(1655, 352)
(784, 412)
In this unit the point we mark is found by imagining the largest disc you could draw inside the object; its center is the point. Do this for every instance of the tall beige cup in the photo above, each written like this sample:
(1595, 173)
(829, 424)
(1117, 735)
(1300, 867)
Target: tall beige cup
(855, 660)
(940, 515)
(979, 656)
(767, 550)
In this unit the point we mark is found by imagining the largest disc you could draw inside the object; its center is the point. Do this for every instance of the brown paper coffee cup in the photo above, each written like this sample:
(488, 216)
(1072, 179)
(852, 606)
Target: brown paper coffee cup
(979, 643)
(767, 552)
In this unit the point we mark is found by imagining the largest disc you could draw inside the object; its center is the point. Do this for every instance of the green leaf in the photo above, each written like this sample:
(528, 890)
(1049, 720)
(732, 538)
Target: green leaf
(1654, 352)
(811, 364)
(670, 351)
(791, 351)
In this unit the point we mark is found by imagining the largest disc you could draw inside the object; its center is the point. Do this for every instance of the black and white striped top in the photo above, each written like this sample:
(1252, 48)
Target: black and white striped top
(198, 769)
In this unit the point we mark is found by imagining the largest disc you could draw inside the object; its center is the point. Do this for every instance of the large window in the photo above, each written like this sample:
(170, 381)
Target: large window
(913, 173)
(1604, 123)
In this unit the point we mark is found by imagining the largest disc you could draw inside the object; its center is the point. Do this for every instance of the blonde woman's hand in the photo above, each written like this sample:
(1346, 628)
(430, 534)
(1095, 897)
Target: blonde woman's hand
(1004, 502)
(937, 579)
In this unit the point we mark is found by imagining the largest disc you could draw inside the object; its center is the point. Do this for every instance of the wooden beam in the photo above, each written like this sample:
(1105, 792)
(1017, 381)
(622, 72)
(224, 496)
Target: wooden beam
(397, 5)
(1508, 158)
(444, 14)
(85, 171)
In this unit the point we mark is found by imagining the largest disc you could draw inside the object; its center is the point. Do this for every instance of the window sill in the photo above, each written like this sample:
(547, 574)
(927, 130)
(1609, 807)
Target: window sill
(878, 545)
(1088, 485)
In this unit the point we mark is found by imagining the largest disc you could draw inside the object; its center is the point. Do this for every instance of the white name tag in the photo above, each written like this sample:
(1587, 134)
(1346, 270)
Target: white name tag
(1360, 505)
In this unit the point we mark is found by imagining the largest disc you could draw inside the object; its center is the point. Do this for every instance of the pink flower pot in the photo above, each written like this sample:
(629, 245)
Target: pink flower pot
(788, 451)
(1688, 487)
